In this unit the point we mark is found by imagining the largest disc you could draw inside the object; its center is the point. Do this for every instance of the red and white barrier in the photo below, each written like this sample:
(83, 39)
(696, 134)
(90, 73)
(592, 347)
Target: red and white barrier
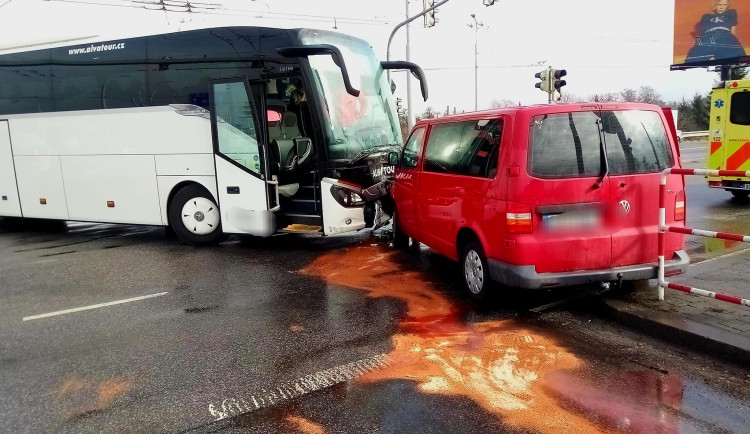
(663, 229)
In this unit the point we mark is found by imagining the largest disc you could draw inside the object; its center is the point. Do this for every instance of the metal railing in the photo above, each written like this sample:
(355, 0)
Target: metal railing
(663, 229)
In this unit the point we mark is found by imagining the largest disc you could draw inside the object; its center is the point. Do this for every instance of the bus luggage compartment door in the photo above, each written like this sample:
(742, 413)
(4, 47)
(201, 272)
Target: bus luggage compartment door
(10, 206)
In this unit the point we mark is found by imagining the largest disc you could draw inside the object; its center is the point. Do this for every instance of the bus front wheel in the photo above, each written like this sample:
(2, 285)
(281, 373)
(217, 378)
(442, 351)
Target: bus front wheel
(194, 216)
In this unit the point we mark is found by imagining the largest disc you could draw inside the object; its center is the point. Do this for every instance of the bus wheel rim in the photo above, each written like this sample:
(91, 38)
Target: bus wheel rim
(200, 216)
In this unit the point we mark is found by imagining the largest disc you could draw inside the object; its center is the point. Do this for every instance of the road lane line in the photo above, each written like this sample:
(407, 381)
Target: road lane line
(235, 406)
(93, 306)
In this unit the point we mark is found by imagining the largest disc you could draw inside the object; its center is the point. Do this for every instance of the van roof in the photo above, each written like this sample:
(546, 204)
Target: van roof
(541, 109)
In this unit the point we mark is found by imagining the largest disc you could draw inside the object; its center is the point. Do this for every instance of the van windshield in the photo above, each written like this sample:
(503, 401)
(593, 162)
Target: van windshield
(568, 145)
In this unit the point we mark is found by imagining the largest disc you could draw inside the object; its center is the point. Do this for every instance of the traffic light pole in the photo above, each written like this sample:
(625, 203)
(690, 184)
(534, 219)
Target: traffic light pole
(390, 39)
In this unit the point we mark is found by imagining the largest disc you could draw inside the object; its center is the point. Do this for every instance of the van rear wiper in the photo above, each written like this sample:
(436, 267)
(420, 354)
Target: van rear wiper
(603, 155)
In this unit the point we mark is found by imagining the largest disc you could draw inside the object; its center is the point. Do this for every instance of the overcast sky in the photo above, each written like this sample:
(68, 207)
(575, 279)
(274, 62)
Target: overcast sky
(604, 45)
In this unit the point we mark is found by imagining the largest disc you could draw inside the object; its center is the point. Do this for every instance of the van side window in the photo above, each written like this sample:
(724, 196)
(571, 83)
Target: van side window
(636, 142)
(739, 113)
(464, 148)
(565, 145)
(413, 149)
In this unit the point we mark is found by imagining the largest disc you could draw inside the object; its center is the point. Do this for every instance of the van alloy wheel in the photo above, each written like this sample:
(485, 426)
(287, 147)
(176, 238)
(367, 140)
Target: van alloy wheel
(474, 272)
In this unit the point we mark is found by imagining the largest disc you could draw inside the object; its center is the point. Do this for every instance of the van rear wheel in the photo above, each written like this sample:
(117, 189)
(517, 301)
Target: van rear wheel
(194, 216)
(475, 271)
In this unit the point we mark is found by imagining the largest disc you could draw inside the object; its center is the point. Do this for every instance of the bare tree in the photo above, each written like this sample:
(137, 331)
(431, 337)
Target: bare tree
(629, 95)
(499, 103)
(649, 95)
(605, 97)
(571, 97)
(429, 113)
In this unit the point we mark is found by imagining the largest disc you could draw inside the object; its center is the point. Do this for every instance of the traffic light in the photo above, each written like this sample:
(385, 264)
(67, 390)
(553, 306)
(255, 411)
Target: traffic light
(544, 84)
(551, 82)
(555, 76)
(429, 17)
(489, 2)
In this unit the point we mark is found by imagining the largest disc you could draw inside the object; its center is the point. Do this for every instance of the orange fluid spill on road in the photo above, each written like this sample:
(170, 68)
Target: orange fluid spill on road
(305, 425)
(497, 364)
(83, 397)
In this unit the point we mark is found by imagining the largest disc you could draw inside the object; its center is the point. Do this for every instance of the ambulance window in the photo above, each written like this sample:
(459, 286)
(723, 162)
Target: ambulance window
(739, 113)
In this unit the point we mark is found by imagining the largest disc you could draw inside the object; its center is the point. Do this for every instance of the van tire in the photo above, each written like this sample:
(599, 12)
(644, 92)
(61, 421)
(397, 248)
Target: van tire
(476, 273)
(194, 206)
(400, 239)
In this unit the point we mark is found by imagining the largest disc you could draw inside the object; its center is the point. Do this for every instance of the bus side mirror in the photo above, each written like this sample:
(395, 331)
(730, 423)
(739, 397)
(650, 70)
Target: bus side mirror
(393, 158)
(314, 50)
(415, 71)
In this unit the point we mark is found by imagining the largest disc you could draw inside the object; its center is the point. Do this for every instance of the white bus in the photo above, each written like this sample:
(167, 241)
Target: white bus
(233, 130)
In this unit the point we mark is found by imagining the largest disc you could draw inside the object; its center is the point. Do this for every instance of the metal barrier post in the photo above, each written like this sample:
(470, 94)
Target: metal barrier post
(663, 229)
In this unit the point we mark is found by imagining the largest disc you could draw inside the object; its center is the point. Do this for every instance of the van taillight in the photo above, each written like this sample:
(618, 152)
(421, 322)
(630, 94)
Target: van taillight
(518, 218)
(679, 206)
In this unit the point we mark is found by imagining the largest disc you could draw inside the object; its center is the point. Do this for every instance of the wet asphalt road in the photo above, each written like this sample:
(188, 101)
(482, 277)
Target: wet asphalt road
(300, 334)
(711, 209)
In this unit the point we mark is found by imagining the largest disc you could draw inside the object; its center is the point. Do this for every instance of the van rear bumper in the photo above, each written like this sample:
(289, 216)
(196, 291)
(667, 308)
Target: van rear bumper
(525, 276)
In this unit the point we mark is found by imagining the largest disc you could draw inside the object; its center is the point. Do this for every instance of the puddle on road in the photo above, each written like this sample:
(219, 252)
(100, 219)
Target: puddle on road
(515, 372)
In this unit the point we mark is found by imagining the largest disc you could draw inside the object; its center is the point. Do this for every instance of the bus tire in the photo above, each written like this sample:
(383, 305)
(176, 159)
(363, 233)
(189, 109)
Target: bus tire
(400, 239)
(476, 273)
(194, 216)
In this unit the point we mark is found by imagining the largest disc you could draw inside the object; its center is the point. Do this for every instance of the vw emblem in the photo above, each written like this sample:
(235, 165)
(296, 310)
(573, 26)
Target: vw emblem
(625, 205)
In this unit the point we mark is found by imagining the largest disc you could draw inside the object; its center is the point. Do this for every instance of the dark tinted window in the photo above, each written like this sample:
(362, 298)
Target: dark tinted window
(25, 89)
(565, 145)
(99, 87)
(739, 113)
(636, 142)
(413, 149)
(464, 148)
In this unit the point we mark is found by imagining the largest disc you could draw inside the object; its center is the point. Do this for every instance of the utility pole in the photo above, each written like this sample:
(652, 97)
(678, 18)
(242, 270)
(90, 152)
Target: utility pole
(409, 112)
(476, 26)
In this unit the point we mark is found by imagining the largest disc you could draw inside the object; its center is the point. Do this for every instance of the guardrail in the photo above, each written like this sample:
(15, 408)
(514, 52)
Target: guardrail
(663, 229)
(694, 134)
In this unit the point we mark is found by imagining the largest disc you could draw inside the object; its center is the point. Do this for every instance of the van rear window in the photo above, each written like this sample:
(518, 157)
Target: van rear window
(636, 142)
(568, 145)
(565, 145)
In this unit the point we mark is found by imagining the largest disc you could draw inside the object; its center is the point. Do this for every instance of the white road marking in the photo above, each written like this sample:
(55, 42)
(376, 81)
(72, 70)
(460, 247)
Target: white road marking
(93, 306)
(236, 406)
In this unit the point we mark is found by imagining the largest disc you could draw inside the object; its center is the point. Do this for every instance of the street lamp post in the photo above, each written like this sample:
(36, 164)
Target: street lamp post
(476, 26)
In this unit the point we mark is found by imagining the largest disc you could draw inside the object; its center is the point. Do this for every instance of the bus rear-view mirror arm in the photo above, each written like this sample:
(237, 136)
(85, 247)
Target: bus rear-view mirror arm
(416, 71)
(314, 50)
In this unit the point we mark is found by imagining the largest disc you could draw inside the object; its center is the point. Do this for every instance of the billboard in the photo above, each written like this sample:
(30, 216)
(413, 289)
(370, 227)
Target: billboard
(711, 32)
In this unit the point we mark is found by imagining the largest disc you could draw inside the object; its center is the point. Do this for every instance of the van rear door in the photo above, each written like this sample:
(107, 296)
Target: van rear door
(565, 189)
(638, 149)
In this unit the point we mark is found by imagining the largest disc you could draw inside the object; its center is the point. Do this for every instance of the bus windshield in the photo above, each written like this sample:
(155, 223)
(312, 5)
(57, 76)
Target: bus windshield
(357, 124)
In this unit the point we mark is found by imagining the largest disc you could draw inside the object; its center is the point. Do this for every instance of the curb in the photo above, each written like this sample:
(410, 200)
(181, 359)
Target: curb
(675, 329)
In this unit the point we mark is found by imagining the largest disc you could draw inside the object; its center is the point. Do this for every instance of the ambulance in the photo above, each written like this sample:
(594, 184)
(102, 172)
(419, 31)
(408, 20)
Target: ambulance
(729, 133)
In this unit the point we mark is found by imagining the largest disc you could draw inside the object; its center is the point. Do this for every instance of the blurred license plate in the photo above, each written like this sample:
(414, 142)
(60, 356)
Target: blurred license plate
(572, 220)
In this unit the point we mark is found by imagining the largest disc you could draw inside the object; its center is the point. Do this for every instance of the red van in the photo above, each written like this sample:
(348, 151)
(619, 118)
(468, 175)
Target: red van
(543, 196)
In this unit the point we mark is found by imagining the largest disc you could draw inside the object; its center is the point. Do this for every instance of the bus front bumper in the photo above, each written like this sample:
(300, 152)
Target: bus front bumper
(525, 276)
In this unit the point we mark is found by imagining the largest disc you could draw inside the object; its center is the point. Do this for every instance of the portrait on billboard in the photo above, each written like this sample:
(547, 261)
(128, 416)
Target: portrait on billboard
(711, 32)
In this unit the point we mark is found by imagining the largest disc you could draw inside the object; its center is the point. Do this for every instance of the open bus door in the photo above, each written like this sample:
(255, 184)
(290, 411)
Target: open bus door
(247, 198)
